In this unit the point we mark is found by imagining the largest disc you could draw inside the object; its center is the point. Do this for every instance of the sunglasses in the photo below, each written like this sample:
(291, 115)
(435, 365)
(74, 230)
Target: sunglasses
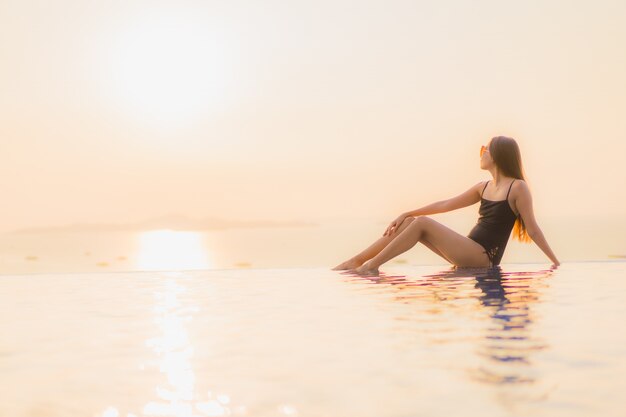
(483, 149)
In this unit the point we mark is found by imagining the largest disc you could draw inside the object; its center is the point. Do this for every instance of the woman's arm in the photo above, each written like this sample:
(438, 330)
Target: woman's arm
(469, 197)
(524, 204)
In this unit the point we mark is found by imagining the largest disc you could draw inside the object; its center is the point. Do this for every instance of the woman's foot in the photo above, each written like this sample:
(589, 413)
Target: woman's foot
(366, 270)
(349, 264)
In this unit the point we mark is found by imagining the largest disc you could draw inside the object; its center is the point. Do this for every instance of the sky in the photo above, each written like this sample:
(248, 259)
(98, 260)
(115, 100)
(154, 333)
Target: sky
(120, 111)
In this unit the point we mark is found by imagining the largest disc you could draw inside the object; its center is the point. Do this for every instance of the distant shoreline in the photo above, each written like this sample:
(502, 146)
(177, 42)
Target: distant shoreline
(171, 222)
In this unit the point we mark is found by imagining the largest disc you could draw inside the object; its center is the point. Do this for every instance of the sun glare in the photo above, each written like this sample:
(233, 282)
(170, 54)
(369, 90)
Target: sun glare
(167, 68)
(171, 250)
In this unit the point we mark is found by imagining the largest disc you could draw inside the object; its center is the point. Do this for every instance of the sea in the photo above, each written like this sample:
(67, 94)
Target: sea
(255, 323)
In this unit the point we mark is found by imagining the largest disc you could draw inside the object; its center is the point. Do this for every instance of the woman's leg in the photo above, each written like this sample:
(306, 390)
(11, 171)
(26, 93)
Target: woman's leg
(457, 249)
(374, 248)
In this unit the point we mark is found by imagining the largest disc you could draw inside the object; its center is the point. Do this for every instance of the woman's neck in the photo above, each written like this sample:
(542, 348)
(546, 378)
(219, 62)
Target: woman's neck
(498, 177)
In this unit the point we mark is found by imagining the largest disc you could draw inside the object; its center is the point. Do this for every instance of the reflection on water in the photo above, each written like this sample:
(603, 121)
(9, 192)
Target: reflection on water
(313, 342)
(177, 397)
(503, 346)
(509, 343)
(506, 343)
(175, 352)
(172, 250)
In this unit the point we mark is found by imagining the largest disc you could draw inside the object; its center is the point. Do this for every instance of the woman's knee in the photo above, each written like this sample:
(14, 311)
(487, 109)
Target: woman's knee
(422, 220)
(421, 225)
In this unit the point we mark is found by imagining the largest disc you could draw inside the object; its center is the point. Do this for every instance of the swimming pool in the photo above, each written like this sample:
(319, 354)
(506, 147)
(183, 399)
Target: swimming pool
(416, 341)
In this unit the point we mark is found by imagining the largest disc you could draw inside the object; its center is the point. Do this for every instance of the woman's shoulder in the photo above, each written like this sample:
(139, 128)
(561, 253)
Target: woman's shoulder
(519, 185)
(480, 186)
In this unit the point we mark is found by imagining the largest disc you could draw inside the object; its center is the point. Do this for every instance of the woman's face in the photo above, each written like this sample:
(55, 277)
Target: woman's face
(486, 161)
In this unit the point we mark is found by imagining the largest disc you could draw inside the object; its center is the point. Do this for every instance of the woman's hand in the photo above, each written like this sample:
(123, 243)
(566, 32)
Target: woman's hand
(555, 265)
(395, 224)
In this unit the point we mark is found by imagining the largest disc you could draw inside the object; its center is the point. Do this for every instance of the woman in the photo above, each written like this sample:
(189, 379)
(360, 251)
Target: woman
(505, 204)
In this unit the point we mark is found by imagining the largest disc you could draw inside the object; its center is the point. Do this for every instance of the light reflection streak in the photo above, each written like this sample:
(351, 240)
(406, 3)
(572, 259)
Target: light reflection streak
(177, 397)
(175, 350)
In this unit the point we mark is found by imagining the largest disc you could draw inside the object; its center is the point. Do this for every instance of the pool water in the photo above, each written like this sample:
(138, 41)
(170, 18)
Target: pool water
(416, 341)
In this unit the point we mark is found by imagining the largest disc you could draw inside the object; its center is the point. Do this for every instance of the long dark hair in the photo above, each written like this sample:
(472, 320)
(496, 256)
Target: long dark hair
(508, 159)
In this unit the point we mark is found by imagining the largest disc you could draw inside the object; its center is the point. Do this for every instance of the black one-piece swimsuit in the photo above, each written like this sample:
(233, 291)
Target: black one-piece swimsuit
(494, 226)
